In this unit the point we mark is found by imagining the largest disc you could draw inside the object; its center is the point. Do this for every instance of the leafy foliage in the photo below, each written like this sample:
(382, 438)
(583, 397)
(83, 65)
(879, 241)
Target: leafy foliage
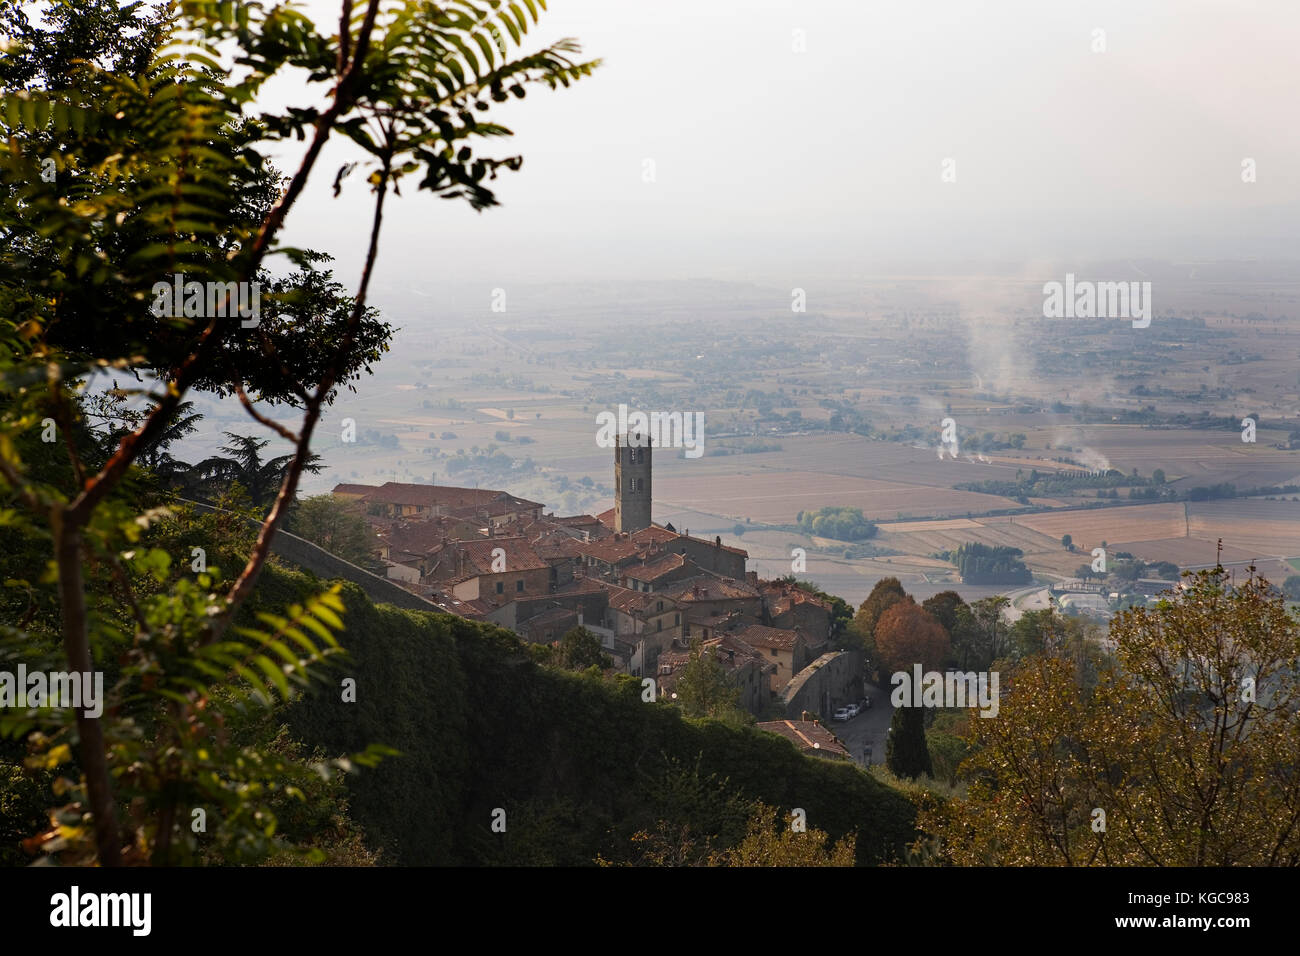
(135, 154)
(337, 526)
(846, 524)
(907, 634)
(1186, 744)
(986, 564)
(906, 752)
(705, 690)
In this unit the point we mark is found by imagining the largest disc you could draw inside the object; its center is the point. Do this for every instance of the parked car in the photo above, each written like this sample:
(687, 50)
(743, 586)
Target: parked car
(865, 703)
(852, 709)
(841, 714)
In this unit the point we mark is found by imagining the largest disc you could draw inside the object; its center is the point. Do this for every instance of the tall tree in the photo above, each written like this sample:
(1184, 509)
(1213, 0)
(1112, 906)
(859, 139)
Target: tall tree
(579, 649)
(337, 526)
(137, 153)
(980, 632)
(943, 606)
(1182, 755)
(906, 752)
(887, 591)
(705, 690)
(243, 463)
(907, 634)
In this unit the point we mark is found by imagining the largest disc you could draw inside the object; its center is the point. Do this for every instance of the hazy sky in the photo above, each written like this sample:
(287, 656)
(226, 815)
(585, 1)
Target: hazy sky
(775, 164)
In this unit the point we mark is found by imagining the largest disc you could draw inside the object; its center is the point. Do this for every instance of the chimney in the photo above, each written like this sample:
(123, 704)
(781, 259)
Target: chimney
(803, 715)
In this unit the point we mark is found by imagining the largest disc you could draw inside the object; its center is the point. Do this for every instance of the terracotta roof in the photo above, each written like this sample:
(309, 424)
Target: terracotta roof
(475, 610)
(807, 735)
(621, 547)
(351, 489)
(636, 602)
(707, 618)
(447, 496)
(781, 597)
(656, 568)
(415, 537)
(743, 651)
(580, 585)
(581, 522)
(714, 544)
(707, 587)
(506, 504)
(758, 635)
(478, 555)
(728, 652)
(551, 616)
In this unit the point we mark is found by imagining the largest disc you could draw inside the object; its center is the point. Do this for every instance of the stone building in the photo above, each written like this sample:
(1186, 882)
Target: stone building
(632, 496)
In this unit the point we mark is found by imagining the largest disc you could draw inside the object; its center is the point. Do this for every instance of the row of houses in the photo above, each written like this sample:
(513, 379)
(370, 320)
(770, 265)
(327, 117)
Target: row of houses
(648, 594)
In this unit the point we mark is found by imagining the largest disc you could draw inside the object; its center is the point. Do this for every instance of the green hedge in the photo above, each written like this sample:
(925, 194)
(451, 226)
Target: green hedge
(569, 757)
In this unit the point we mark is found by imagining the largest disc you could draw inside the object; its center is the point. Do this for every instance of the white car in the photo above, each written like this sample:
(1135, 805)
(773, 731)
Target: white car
(841, 714)
(853, 710)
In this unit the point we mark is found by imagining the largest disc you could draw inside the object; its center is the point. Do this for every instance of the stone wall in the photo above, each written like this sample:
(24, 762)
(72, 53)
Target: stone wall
(318, 561)
(832, 680)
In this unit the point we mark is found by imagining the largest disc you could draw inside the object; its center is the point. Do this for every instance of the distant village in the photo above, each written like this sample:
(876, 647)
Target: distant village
(646, 590)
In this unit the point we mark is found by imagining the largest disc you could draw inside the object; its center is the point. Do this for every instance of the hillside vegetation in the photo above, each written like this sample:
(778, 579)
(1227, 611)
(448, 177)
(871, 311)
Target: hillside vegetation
(579, 763)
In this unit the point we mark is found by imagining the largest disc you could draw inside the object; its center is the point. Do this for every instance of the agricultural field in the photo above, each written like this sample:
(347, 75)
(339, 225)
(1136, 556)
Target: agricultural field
(843, 408)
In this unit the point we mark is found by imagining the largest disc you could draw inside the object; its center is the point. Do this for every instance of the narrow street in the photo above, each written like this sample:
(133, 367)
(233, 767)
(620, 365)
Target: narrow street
(868, 729)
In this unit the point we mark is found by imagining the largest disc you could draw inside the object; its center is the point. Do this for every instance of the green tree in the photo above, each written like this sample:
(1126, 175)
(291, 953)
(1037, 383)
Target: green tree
(1067, 542)
(705, 690)
(261, 478)
(160, 169)
(906, 753)
(980, 635)
(337, 526)
(943, 607)
(579, 649)
(887, 591)
(1187, 742)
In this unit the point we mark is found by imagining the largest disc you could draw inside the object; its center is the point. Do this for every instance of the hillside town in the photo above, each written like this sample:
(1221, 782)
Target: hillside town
(648, 591)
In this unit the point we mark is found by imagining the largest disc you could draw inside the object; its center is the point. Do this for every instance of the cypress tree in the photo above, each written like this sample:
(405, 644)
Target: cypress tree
(906, 754)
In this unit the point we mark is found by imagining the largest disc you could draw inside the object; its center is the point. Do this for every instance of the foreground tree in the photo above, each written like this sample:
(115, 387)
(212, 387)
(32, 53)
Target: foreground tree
(135, 155)
(1183, 755)
(772, 841)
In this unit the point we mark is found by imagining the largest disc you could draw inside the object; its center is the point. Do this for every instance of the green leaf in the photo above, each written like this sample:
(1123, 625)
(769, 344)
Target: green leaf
(273, 673)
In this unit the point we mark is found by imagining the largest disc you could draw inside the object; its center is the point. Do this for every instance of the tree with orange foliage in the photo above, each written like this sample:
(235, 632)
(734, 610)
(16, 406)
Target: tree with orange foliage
(908, 634)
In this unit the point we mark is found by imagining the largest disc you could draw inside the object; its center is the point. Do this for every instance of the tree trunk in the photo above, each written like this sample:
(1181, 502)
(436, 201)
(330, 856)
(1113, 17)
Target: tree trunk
(76, 647)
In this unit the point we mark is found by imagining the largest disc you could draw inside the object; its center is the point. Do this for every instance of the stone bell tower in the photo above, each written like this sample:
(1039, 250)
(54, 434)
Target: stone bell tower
(632, 480)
